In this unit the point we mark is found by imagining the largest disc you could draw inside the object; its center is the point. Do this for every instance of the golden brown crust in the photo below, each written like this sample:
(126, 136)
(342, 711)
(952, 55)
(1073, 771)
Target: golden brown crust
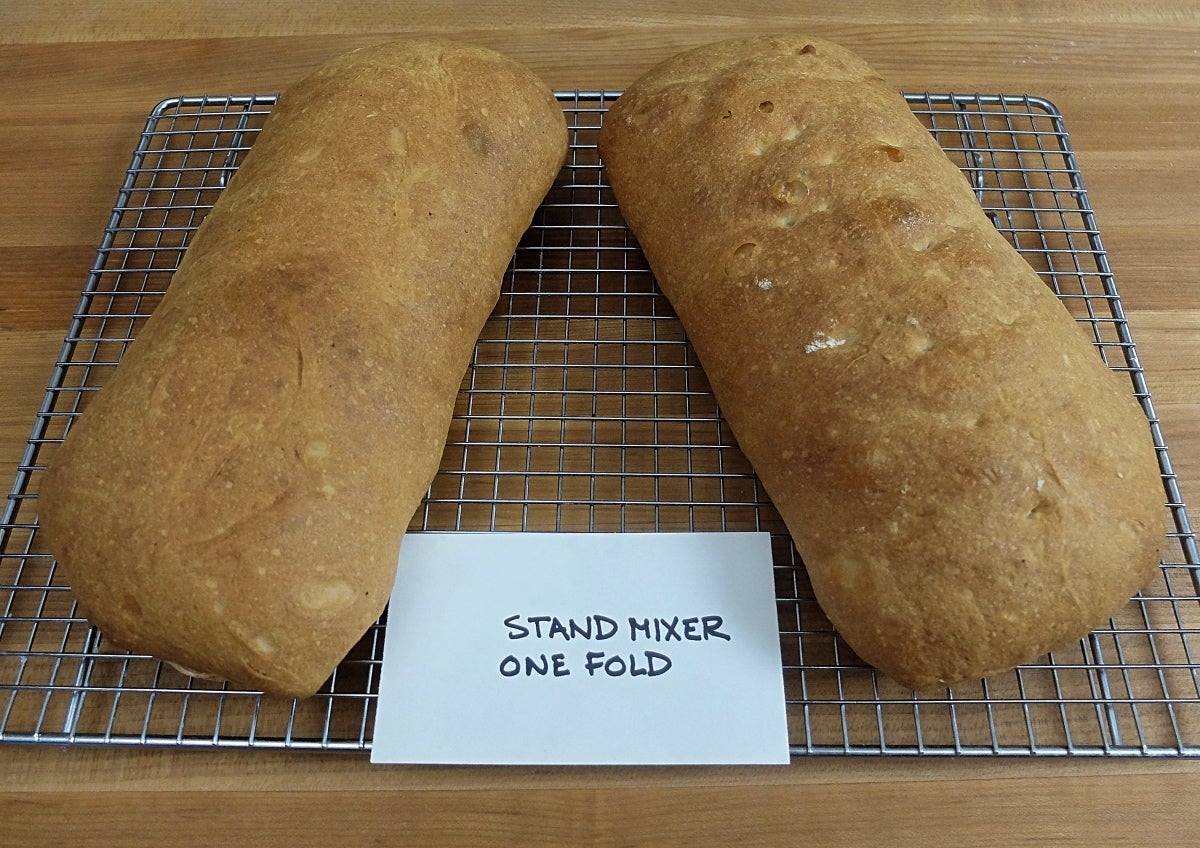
(968, 484)
(233, 500)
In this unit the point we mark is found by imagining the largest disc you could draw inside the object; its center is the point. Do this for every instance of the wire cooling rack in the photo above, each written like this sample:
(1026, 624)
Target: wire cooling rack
(585, 409)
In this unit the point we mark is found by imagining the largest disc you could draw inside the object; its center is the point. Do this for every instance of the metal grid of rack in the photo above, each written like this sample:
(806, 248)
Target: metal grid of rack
(585, 409)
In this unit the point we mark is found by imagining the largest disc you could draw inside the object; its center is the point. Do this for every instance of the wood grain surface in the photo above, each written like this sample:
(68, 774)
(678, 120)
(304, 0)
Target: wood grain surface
(76, 82)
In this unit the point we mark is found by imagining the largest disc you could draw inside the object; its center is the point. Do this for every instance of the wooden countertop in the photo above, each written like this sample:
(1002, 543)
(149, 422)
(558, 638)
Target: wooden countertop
(76, 82)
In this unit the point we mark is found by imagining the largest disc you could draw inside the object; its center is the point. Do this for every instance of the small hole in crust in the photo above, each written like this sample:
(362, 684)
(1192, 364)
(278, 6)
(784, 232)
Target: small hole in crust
(743, 252)
(766, 107)
(895, 154)
(740, 260)
(791, 190)
(807, 50)
(1044, 508)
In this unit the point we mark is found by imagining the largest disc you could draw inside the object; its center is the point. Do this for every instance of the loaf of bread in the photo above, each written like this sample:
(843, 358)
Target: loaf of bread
(233, 499)
(967, 483)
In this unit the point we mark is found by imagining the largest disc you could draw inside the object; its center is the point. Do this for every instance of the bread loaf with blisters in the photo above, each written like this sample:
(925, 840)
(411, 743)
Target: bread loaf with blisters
(233, 499)
(967, 483)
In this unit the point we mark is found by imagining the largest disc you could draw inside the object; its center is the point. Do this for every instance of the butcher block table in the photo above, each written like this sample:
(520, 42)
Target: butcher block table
(77, 81)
